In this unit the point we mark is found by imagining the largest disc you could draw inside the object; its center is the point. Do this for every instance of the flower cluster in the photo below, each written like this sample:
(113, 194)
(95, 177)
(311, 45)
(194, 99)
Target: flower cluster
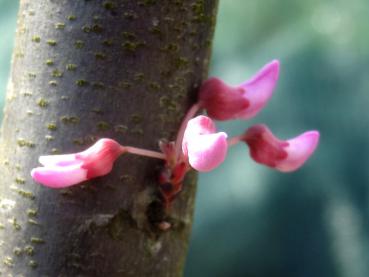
(198, 145)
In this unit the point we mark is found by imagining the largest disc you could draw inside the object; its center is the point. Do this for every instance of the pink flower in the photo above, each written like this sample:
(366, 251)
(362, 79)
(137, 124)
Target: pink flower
(284, 156)
(61, 171)
(204, 148)
(224, 102)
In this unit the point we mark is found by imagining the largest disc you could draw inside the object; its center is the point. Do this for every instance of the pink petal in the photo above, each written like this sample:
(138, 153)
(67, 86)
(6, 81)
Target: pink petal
(66, 170)
(221, 101)
(59, 160)
(204, 148)
(99, 158)
(59, 176)
(200, 125)
(259, 89)
(299, 150)
(284, 156)
(207, 151)
(224, 102)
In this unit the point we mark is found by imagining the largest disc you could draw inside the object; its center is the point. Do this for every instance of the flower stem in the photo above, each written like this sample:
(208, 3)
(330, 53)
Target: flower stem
(190, 114)
(144, 152)
(234, 140)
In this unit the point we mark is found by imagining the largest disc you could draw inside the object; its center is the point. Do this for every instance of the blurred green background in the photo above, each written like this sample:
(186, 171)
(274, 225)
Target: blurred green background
(253, 221)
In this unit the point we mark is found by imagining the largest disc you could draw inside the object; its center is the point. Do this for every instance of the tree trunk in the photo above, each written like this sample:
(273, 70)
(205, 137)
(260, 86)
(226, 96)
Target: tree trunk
(84, 70)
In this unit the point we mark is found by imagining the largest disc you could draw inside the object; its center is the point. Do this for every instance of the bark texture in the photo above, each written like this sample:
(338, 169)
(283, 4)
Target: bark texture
(83, 70)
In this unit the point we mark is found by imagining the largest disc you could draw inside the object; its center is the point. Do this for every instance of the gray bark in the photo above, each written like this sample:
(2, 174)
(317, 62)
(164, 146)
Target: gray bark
(82, 70)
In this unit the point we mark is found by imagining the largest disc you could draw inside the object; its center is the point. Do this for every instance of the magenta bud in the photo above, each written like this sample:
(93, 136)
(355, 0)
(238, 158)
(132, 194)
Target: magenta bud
(204, 148)
(284, 156)
(60, 171)
(225, 102)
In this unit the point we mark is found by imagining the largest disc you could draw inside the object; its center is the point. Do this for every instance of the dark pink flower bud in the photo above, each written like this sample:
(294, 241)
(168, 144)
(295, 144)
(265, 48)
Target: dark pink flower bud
(224, 102)
(284, 156)
(60, 171)
(204, 148)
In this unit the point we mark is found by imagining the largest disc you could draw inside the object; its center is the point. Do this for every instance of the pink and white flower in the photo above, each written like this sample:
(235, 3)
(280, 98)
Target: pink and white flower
(224, 102)
(60, 171)
(204, 148)
(283, 155)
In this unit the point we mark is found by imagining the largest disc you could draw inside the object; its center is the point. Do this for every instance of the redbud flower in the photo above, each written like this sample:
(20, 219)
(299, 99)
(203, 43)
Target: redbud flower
(204, 148)
(284, 156)
(224, 102)
(61, 171)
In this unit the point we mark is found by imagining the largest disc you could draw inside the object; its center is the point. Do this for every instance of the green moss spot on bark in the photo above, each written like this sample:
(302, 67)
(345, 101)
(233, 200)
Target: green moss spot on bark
(56, 73)
(31, 75)
(155, 30)
(27, 93)
(55, 151)
(49, 138)
(127, 178)
(71, 66)
(125, 84)
(71, 17)
(137, 131)
(37, 240)
(69, 119)
(103, 126)
(136, 118)
(139, 77)
(171, 47)
(79, 44)
(130, 46)
(97, 111)
(53, 83)
(98, 85)
(97, 28)
(29, 250)
(107, 42)
(52, 126)
(49, 62)
(32, 264)
(25, 143)
(79, 141)
(86, 28)
(81, 83)
(33, 222)
(120, 128)
(36, 39)
(51, 42)
(8, 261)
(181, 62)
(19, 55)
(100, 56)
(109, 5)
(17, 251)
(20, 180)
(31, 212)
(129, 35)
(147, 2)
(15, 224)
(59, 26)
(24, 193)
(130, 15)
(154, 86)
(42, 103)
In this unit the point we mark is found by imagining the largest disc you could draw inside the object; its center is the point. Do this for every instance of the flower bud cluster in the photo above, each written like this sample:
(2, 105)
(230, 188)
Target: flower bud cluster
(198, 144)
